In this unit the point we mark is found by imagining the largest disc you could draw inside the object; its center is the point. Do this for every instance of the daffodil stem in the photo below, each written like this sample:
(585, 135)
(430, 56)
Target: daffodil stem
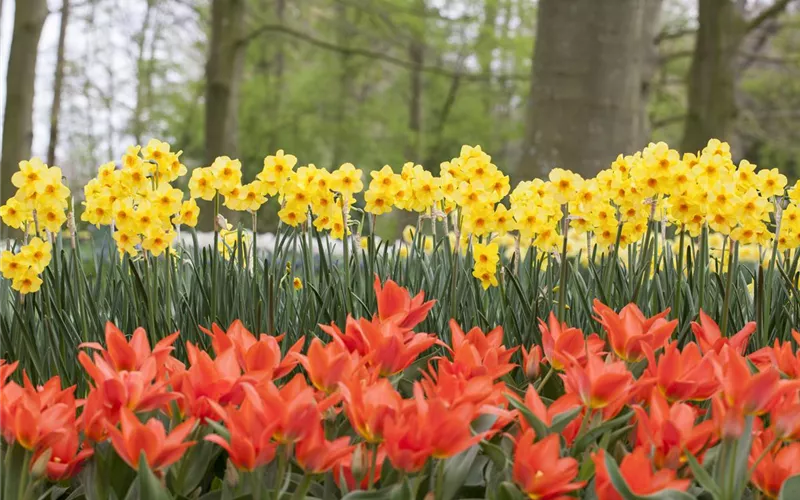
(151, 318)
(562, 284)
(346, 256)
(728, 283)
(679, 279)
(214, 262)
(254, 274)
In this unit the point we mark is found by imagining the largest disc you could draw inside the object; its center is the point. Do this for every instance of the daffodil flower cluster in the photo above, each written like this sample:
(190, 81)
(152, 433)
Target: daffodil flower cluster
(38, 208)
(138, 201)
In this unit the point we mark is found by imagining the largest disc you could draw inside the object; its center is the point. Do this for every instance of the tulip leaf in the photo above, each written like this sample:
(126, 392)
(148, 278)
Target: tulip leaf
(790, 489)
(508, 491)
(148, 485)
(563, 419)
(393, 491)
(592, 434)
(527, 414)
(702, 476)
(456, 470)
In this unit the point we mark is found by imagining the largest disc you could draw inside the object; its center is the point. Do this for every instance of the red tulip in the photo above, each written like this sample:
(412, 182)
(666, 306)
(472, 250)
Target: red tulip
(599, 384)
(390, 352)
(368, 407)
(782, 356)
(539, 469)
(396, 305)
(218, 380)
(684, 375)
(776, 466)
(476, 354)
(327, 364)
(160, 449)
(629, 332)
(638, 473)
(561, 342)
(669, 430)
(317, 455)
(292, 407)
(124, 356)
(710, 338)
(66, 455)
(250, 444)
(531, 362)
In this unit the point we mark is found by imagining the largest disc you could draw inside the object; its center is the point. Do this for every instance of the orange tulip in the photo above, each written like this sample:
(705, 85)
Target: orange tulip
(782, 356)
(327, 364)
(136, 390)
(391, 352)
(785, 416)
(710, 338)
(476, 354)
(352, 338)
(368, 407)
(599, 384)
(66, 454)
(561, 342)
(31, 423)
(629, 331)
(160, 449)
(683, 375)
(546, 414)
(218, 380)
(669, 430)
(317, 455)
(539, 469)
(778, 465)
(531, 362)
(124, 356)
(455, 389)
(257, 356)
(396, 305)
(250, 444)
(292, 407)
(638, 473)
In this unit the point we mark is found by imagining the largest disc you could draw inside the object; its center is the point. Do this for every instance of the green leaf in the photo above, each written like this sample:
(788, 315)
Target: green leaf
(381, 494)
(563, 419)
(455, 471)
(148, 486)
(508, 491)
(527, 414)
(625, 492)
(790, 489)
(702, 476)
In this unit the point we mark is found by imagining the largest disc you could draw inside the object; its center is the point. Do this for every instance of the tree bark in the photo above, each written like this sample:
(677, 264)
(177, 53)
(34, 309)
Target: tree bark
(29, 17)
(142, 74)
(714, 72)
(416, 54)
(223, 78)
(585, 101)
(58, 84)
(652, 12)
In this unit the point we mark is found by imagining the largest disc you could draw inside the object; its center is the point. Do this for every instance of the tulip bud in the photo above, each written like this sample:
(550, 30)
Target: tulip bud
(39, 467)
(231, 475)
(531, 362)
(360, 464)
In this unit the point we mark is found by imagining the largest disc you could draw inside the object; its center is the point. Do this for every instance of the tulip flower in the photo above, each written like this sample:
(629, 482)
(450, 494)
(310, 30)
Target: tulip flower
(218, 380)
(561, 342)
(638, 473)
(327, 365)
(317, 455)
(160, 449)
(531, 361)
(352, 338)
(368, 407)
(539, 469)
(250, 444)
(292, 407)
(391, 352)
(65, 454)
(546, 414)
(775, 467)
(683, 375)
(599, 384)
(396, 305)
(710, 338)
(476, 354)
(669, 430)
(629, 331)
(781, 355)
(129, 356)
(354, 467)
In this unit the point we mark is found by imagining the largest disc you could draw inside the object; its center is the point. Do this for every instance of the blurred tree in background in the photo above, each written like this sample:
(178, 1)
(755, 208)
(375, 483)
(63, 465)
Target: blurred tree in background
(537, 83)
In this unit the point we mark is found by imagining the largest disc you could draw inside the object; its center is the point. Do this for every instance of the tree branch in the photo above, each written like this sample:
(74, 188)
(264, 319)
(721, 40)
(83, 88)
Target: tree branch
(356, 51)
(773, 10)
(672, 35)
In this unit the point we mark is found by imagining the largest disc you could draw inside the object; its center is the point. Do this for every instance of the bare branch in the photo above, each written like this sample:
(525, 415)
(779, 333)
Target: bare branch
(773, 10)
(381, 56)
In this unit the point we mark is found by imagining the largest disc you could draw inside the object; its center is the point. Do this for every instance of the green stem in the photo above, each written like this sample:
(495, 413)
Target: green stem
(545, 379)
(346, 254)
(728, 283)
(254, 274)
(439, 487)
(302, 488)
(562, 285)
(678, 291)
(151, 320)
(214, 262)
(283, 454)
(373, 466)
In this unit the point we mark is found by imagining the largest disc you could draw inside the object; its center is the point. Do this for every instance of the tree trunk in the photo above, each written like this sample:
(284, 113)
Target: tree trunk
(142, 74)
(29, 18)
(585, 100)
(712, 76)
(416, 54)
(58, 84)
(345, 88)
(223, 78)
(715, 69)
(652, 12)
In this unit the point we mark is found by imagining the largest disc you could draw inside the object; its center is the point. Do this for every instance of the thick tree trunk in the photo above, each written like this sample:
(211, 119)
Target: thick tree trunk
(711, 106)
(416, 54)
(142, 74)
(29, 18)
(345, 87)
(223, 78)
(58, 84)
(585, 102)
(652, 13)
(715, 69)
